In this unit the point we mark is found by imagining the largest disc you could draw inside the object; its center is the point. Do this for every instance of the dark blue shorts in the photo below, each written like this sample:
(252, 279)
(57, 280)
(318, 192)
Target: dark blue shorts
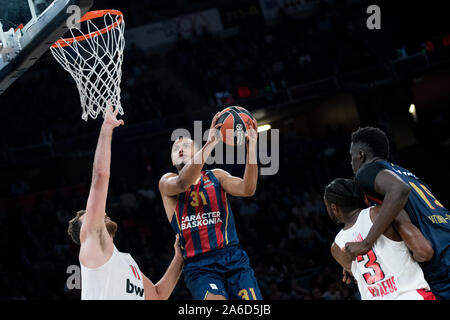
(225, 272)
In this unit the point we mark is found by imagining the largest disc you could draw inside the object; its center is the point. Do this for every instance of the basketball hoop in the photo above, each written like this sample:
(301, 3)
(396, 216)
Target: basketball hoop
(94, 60)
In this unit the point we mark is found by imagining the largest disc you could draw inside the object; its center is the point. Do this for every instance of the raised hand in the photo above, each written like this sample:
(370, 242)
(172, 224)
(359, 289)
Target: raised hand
(251, 135)
(110, 118)
(214, 130)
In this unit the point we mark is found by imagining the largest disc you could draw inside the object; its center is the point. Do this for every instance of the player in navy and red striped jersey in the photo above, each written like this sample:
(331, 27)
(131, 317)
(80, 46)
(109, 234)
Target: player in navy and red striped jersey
(395, 188)
(196, 204)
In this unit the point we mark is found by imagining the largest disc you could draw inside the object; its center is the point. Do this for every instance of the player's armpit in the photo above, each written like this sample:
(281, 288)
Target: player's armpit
(96, 248)
(234, 186)
(88, 231)
(415, 241)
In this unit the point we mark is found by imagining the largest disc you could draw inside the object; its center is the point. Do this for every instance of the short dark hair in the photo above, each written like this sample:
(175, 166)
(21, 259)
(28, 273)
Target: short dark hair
(344, 193)
(75, 226)
(375, 139)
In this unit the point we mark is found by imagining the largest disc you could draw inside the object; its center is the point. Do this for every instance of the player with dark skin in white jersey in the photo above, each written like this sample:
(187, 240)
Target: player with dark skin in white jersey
(389, 270)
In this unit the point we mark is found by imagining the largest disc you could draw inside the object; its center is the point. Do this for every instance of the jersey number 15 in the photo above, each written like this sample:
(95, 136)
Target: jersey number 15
(424, 197)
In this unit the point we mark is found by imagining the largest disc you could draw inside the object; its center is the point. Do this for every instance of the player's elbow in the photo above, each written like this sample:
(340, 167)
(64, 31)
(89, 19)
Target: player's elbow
(100, 176)
(428, 255)
(160, 295)
(424, 253)
(422, 257)
(248, 191)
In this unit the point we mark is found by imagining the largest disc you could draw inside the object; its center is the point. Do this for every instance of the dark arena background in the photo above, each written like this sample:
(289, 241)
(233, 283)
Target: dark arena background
(312, 69)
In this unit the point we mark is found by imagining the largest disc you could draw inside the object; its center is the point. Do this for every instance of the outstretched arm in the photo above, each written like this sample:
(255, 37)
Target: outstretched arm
(171, 184)
(245, 187)
(93, 219)
(163, 289)
(396, 194)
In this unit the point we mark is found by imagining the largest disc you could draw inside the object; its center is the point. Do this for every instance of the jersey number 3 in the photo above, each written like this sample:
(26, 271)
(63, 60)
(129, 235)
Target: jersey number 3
(375, 274)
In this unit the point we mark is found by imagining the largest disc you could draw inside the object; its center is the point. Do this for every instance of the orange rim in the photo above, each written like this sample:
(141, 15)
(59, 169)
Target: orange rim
(89, 16)
(19, 27)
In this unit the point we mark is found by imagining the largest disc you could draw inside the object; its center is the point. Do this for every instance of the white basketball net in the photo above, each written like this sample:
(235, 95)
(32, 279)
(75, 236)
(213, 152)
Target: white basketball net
(95, 63)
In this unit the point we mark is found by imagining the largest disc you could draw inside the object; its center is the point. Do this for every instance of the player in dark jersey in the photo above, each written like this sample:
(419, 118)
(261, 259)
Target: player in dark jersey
(389, 258)
(196, 204)
(396, 188)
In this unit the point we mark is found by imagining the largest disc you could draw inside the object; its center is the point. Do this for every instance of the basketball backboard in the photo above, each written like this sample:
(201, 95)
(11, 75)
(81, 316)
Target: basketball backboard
(27, 29)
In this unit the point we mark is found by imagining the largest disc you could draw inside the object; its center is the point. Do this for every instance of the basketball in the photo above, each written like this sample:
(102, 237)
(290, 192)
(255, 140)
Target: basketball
(237, 121)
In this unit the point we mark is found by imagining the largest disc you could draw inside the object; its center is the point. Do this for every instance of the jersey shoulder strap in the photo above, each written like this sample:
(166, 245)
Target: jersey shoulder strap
(209, 174)
(357, 231)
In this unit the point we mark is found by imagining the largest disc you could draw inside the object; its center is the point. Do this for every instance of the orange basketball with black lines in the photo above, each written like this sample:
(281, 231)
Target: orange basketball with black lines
(236, 121)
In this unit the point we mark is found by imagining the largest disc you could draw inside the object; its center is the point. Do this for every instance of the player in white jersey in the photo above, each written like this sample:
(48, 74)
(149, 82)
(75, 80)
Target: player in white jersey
(106, 273)
(387, 271)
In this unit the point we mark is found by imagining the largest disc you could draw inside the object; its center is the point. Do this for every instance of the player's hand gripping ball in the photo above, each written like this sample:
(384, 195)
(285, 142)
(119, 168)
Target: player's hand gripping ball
(236, 121)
